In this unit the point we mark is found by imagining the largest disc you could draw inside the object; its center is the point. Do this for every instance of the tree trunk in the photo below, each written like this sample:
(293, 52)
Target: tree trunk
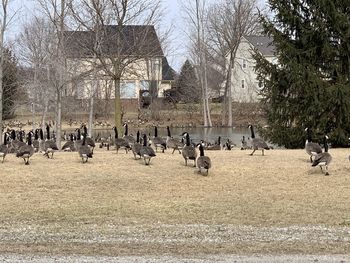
(118, 106)
(43, 117)
(223, 108)
(1, 90)
(2, 32)
(205, 89)
(91, 114)
(229, 92)
(59, 119)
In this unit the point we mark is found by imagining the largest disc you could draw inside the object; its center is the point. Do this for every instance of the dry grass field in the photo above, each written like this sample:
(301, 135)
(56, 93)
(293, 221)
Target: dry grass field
(114, 205)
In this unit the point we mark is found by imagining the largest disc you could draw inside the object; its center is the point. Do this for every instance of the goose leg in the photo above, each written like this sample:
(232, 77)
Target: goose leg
(310, 158)
(262, 152)
(194, 163)
(253, 152)
(173, 150)
(326, 170)
(186, 161)
(179, 150)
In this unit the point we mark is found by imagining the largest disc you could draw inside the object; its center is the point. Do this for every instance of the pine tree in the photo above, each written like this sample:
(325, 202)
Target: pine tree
(10, 84)
(187, 84)
(309, 87)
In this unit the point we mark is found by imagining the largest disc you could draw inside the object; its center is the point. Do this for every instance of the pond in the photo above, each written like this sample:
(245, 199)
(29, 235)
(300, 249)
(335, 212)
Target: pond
(196, 134)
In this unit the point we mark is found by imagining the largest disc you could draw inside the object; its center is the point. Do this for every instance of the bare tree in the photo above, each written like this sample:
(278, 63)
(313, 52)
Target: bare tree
(229, 21)
(57, 13)
(34, 50)
(196, 18)
(122, 60)
(4, 20)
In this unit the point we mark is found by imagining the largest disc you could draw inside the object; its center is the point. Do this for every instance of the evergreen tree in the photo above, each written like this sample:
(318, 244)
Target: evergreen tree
(187, 84)
(309, 86)
(10, 84)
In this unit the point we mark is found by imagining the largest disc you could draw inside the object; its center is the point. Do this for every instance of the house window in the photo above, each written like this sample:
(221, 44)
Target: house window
(128, 90)
(144, 84)
(243, 84)
(244, 64)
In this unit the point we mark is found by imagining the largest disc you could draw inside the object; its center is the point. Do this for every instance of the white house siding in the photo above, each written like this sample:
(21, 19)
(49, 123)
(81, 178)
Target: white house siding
(137, 77)
(245, 86)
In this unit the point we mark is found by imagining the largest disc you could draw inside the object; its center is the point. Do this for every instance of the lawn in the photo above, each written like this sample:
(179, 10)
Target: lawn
(115, 205)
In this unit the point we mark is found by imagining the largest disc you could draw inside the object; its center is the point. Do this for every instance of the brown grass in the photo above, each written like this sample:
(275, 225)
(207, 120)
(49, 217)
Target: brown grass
(60, 205)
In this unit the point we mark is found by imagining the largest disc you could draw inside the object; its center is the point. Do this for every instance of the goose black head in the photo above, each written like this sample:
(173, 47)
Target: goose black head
(201, 149)
(126, 129)
(30, 138)
(252, 131)
(144, 140)
(36, 135)
(168, 131)
(41, 133)
(13, 135)
(48, 132)
(138, 137)
(5, 138)
(187, 136)
(325, 143)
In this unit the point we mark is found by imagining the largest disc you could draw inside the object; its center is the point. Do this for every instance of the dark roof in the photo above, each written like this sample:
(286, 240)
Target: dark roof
(136, 40)
(263, 43)
(167, 71)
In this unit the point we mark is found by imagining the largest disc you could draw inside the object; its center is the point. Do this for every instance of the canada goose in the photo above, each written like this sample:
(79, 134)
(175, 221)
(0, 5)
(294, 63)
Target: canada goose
(228, 145)
(88, 140)
(16, 144)
(69, 146)
(26, 151)
(36, 141)
(311, 148)
(120, 142)
(216, 146)
(146, 151)
(136, 147)
(188, 151)
(203, 162)
(49, 145)
(244, 144)
(257, 143)
(4, 148)
(158, 141)
(85, 152)
(173, 143)
(323, 159)
(130, 139)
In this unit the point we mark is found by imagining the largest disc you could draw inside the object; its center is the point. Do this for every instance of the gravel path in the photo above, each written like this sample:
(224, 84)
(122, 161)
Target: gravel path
(61, 242)
(206, 259)
(139, 234)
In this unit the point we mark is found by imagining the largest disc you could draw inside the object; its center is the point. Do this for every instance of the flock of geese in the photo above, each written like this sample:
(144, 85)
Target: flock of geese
(143, 146)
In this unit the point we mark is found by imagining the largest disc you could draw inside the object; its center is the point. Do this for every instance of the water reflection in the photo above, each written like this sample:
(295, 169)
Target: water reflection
(197, 134)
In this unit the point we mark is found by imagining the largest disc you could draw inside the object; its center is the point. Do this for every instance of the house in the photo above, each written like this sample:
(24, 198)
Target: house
(136, 48)
(245, 86)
